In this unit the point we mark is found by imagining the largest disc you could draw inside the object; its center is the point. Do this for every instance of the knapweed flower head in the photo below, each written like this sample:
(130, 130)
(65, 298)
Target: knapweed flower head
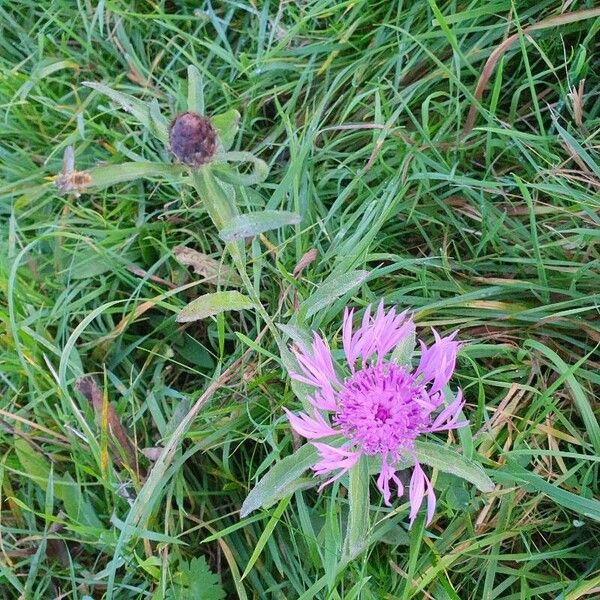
(378, 407)
(193, 139)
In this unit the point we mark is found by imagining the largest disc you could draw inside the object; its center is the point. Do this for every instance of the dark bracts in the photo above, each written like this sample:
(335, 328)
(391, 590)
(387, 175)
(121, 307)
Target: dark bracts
(193, 139)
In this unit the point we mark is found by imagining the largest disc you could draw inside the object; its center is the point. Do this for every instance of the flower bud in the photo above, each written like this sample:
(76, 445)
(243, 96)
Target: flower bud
(193, 139)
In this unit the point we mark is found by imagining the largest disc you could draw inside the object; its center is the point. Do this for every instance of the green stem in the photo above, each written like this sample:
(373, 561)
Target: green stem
(221, 208)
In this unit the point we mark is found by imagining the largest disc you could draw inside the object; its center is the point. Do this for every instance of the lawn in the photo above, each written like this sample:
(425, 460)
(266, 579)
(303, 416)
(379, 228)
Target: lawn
(436, 156)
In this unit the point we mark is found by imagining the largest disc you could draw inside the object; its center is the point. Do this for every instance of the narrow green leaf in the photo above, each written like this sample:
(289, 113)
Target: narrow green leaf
(577, 393)
(583, 589)
(34, 463)
(213, 304)
(195, 101)
(358, 516)
(283, 474)
(105, 176)
(298, 334)
(76, 506)
(266, 534)
(259, 173)
(66, 489)
(249, 225)
(389, 531)
(227, 125)
(159, 122)
(448, 460)
(45, 69)
(218, 196)
(332, 289)
(513, 473)
(138, 108)
(144, 533)
(577, 148)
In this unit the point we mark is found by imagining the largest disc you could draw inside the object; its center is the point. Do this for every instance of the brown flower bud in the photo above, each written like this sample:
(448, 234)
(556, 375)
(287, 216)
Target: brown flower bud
(193, 139)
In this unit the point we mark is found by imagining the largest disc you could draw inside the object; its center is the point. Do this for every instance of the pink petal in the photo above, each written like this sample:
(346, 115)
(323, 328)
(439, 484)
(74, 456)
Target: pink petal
(347, 338)
(378, 334)
(448, 418)
(332, 459)
(416, 491)
(383, 483)
(317, 367)
(309, 428)
(438, 361)
(431, 502)
(332, 453)
(368, 341)
(323, 400)
(303, 379)
(323, 358)
(387, 330)
(419, 486)
(354, 341)
(387, 473)
(366, 317)
(394, 335)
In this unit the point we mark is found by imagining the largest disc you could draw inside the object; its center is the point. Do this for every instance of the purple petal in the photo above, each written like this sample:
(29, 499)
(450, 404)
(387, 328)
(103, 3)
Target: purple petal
(303, 379)
(323, 400)
(394, 334)
(354, 341)
(431, 502)
(438, 361)
(416, 491)
(387, 474)
(386, 331)
(378, 334)
(448, 418)
(317, 367)
(309, 428)
(323, 358)
(332, 459)
(383, 483)
(347, 338)
(419, 486)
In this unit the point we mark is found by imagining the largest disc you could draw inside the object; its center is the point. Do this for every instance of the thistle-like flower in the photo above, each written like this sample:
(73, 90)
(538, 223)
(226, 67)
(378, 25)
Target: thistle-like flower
(379, 407)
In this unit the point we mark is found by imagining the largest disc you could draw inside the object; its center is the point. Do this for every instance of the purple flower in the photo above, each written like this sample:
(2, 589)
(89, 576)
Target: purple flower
(379, 407)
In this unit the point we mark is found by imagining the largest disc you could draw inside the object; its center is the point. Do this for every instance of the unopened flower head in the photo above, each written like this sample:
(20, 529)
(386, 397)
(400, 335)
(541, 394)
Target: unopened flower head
(193, 139)
(379, 407)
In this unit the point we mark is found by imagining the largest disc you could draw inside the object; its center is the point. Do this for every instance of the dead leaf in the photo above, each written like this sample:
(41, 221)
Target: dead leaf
(139, 272)
(212, 270)
(56, 548)
(308, 258)
(122, 449)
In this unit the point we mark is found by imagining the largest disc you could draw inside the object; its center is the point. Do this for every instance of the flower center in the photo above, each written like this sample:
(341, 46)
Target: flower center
(382, 414)
(382, 409)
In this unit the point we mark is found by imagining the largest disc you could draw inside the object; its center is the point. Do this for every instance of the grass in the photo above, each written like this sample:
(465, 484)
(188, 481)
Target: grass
(357, 107)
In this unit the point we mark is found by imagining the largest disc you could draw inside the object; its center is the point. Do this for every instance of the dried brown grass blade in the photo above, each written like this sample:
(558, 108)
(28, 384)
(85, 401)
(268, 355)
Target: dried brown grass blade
(123, 450)
(307, 258)
(495, 56)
